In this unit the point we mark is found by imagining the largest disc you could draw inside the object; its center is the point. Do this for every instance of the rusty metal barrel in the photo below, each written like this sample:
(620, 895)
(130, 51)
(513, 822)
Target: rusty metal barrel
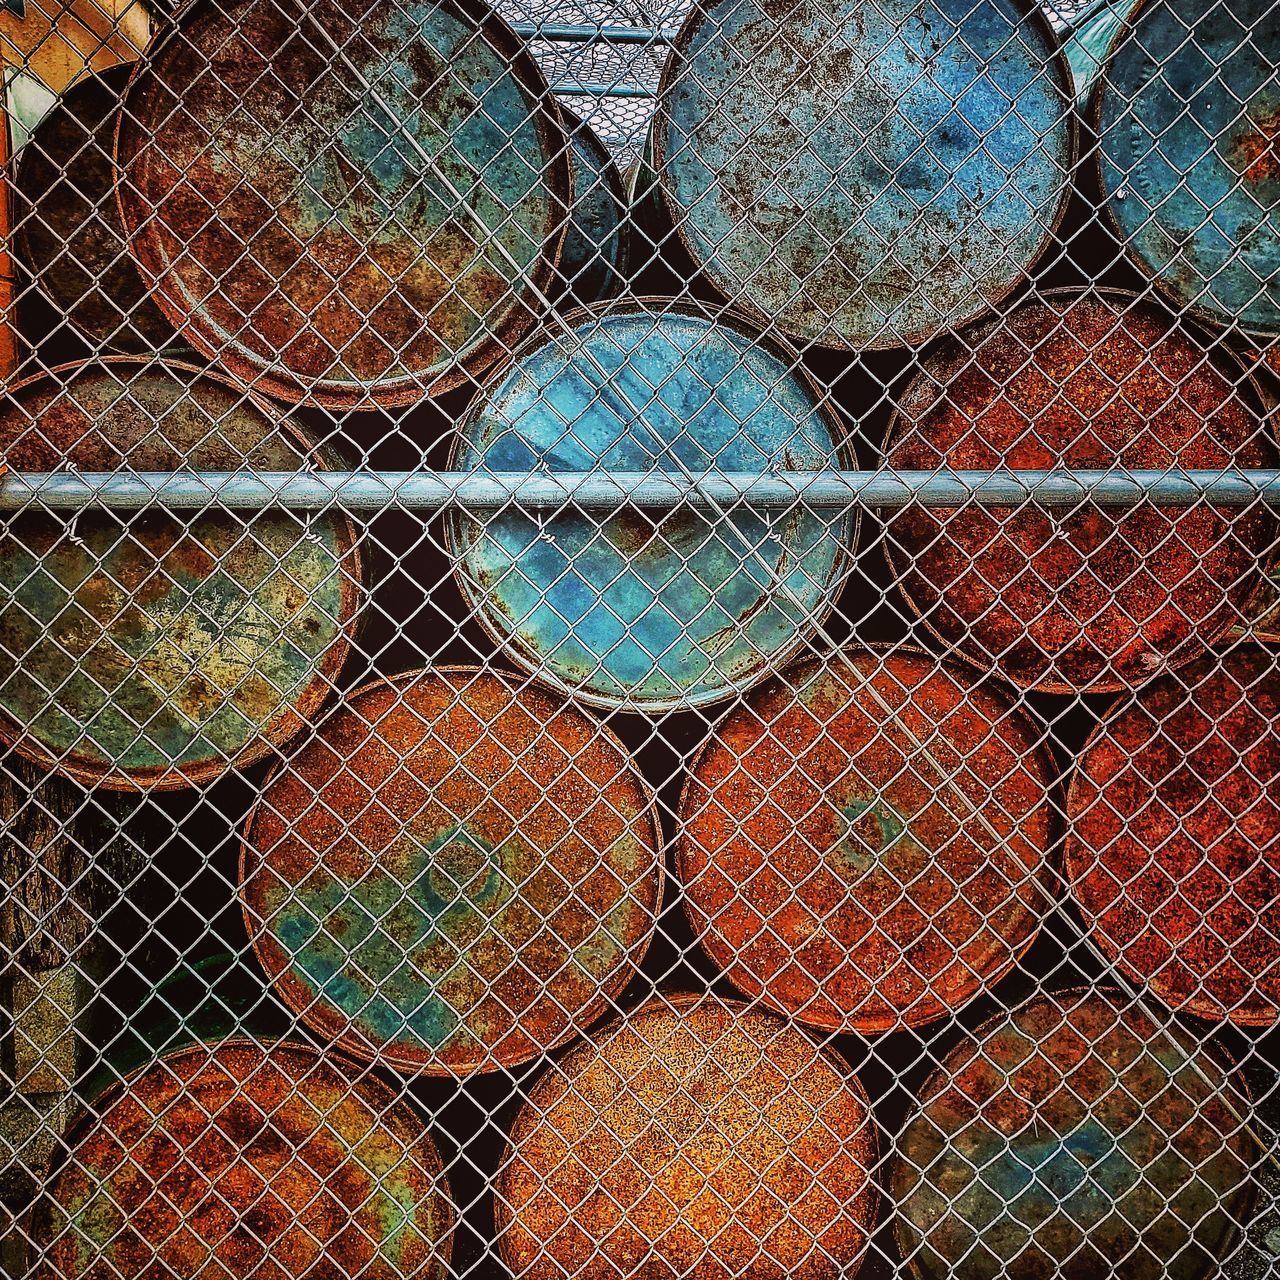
(157, 651)
(593, 258)
(651, 612)
(865, 175)
(456, 873)
(1187, 111)
(239, 1159)
(694, 1138)
(70, 238)
(377, 226)
(1089, 598)
(864, 841)
(1173, 855)
(1075, 1137)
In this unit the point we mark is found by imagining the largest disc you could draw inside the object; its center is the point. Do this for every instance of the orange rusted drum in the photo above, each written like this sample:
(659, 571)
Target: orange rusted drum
(693, 1138)
(455, 874)
(1074, 1138)
(1174, 849)
(864, 842)
(1090, 597)
(237, 1159)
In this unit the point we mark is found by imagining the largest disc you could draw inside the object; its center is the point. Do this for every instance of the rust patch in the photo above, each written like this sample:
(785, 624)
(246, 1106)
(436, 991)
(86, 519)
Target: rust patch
(832, 857)
(1255, 153)
(240, 1160)
(1174, 851)
(1093, 598)
(693, 1138)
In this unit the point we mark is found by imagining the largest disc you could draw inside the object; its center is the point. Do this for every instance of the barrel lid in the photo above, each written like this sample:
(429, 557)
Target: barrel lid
(1173, 854)
(652, 613)
(1091, 598)
(341, 269)
(237, 1158)
(159, 651)
(69, 233)
(1070, 1136)
(694, 1137)
(866, 175)
(454, 874)
(593, 256)
(1187, 113)
(864, 843)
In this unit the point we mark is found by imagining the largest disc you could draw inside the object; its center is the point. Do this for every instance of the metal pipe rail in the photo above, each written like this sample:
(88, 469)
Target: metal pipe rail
(370, 492)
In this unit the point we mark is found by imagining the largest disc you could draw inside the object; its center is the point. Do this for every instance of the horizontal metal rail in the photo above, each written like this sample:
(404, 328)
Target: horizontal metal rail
(374, 491)
(591, 33)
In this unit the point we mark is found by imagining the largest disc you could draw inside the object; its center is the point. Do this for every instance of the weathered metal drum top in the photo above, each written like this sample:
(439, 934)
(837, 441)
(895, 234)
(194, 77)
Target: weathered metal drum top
(237, 1160)
(1174, 849)
(593, 256)
(1090, 598)
(371, 229)
(639, 610)
(693, 1138)
(1074, 1138)
(160, 650)
(69, 234)
(457, 873)
(866, 175)
(1188, 118)
(864, 843)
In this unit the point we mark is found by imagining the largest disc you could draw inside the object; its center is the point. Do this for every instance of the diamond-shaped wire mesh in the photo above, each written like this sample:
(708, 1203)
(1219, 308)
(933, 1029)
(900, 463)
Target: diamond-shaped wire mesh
(640, 639)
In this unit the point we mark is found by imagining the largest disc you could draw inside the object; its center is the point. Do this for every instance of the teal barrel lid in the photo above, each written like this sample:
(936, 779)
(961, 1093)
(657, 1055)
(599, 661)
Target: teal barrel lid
(1075, 1137)
(455, 874)
(376, 225)
(1187, 111)
(633, 610)
(160, 650)
(593, 256)
(866, 175)
(241, 1159)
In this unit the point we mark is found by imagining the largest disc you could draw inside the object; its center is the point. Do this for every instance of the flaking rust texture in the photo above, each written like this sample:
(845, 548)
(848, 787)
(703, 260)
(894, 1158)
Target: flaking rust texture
(457, 873)
(694, 1138)
(369, 227)
(1174, 850)
(864, 844)
(1075, 1137)
(159, 650)
(237, 1160)
(1088, 598)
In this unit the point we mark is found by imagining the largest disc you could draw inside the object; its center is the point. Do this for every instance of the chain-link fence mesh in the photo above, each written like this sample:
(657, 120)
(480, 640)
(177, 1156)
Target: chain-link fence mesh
(636, 639)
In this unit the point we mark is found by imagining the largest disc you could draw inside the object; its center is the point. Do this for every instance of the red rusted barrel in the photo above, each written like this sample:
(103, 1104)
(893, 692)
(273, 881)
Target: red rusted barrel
(375, 225)
(1074, 1138)
(1092, 598)
(864, 842)
(693, 1138)
(1174, 849)
(237, 1159)
(456, 873)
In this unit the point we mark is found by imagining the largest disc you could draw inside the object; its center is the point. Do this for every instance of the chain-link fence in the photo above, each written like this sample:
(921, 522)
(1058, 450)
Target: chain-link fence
(636, 639)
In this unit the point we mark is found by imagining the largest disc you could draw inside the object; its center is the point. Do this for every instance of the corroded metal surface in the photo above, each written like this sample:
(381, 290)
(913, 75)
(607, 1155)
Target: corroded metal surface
(160, 652)
(864, 843)
(1094, 598)
(866, 175)
(637, 610)
(1188, 116)
(694, 1138)
(1073, 1138)
(231, 1160)
(369, 229)
(1174, 849)
(593, 256)
(456, 874)
(69, 234)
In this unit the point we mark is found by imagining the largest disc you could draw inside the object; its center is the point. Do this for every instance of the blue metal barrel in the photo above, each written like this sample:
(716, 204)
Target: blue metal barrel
(866, 175)
(1188, 119)
(651, 613)
(593, 255)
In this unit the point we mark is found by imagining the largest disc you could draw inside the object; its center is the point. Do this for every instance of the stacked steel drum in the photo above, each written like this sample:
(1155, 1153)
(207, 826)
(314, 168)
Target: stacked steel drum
(810, 1000)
